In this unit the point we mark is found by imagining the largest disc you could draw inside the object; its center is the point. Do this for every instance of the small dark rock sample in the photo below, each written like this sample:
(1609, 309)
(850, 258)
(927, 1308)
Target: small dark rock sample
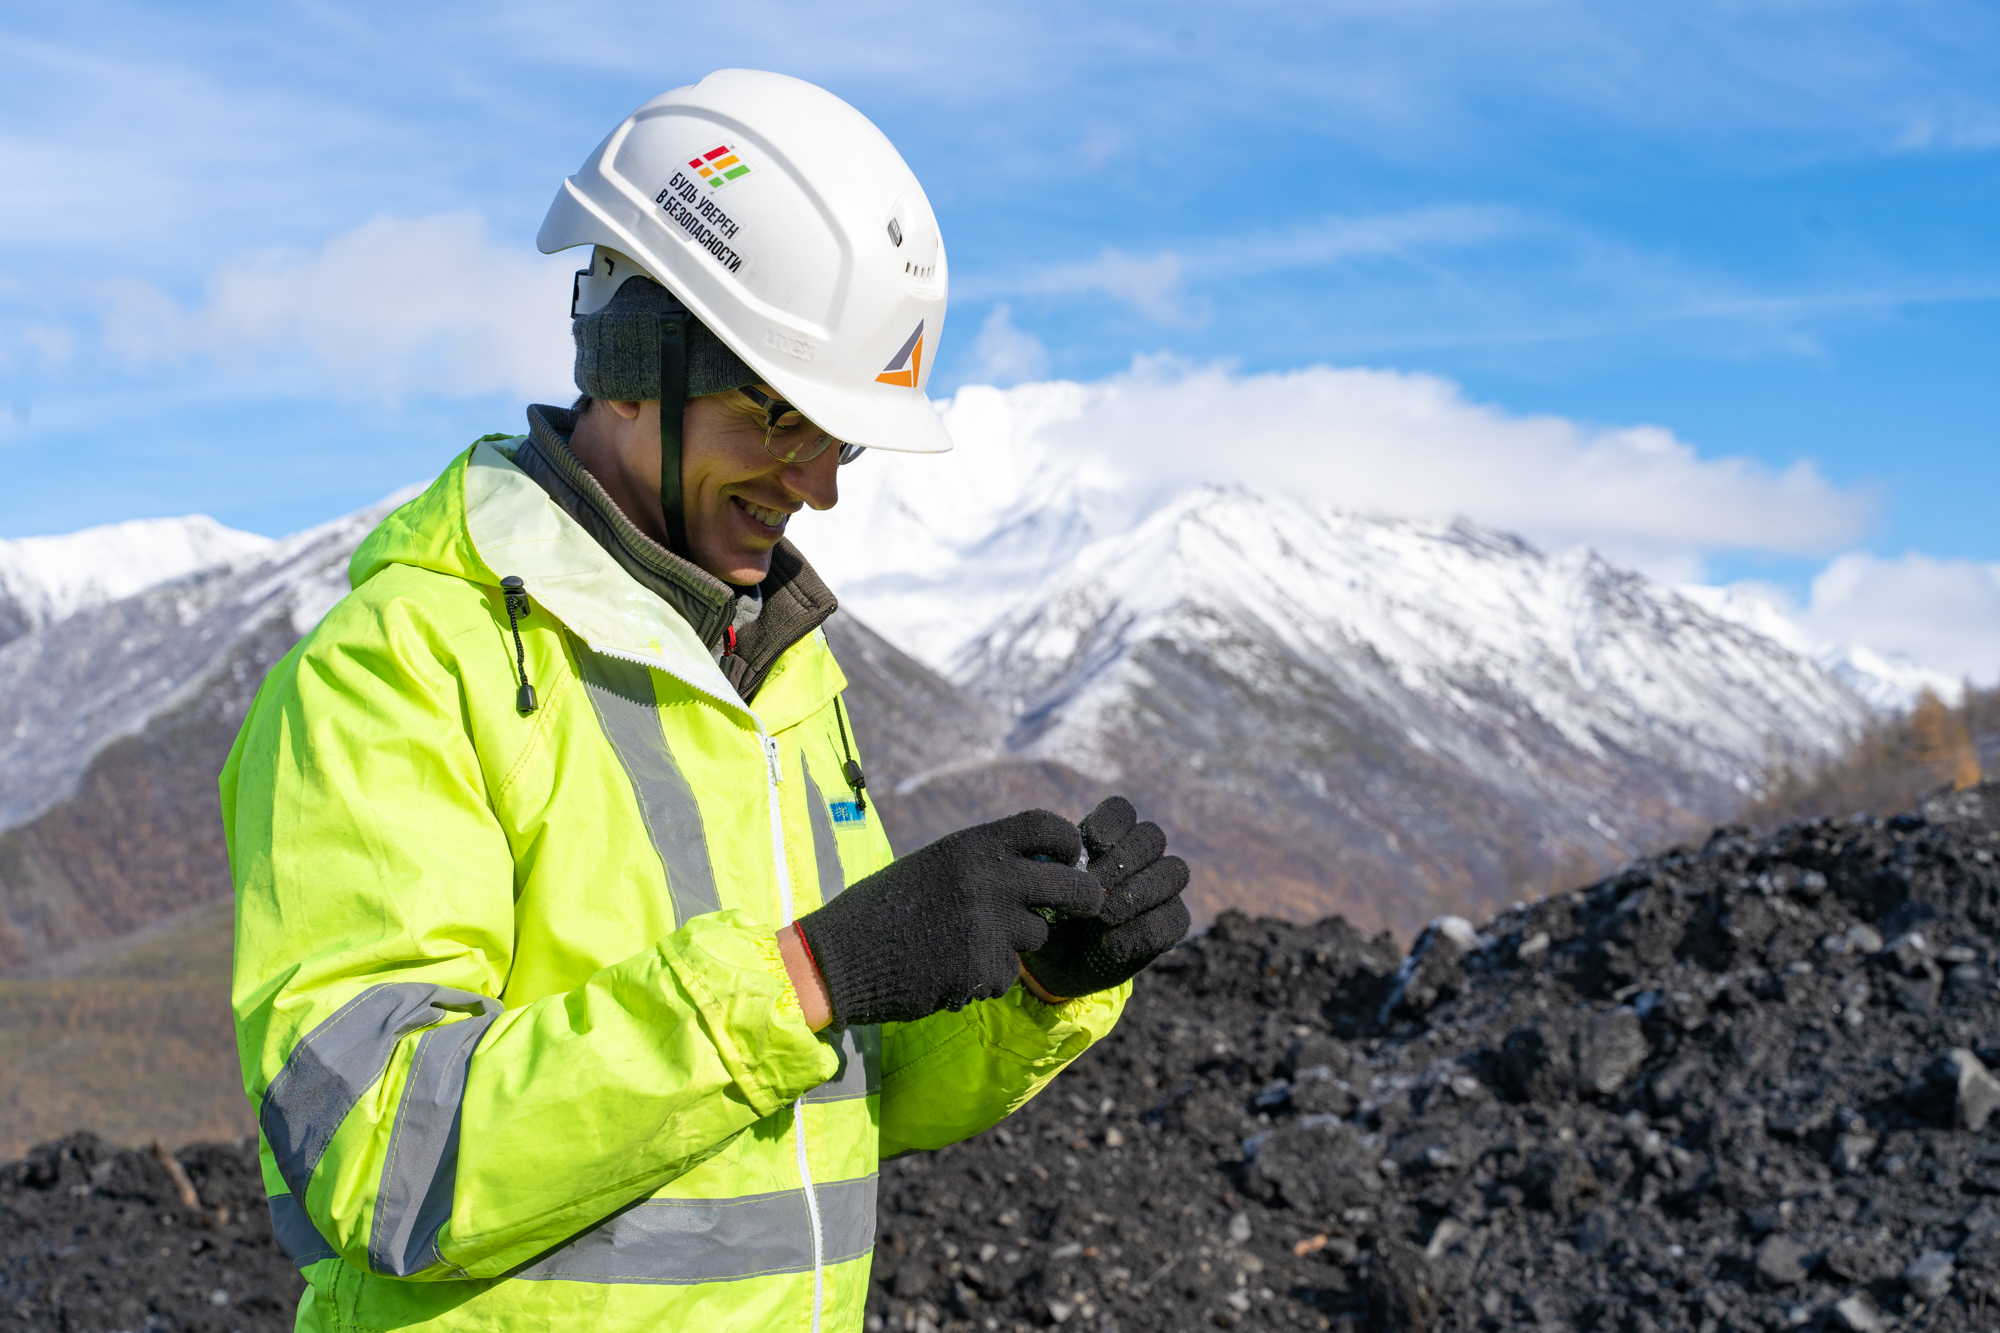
(1929, 1275)
(1611, 1049)
(1781, 1261)
(1558, 1056)
(1557, 1178)
(1975, 1092)
(1858, 1314)
(1434, 969)
(913, 1280)
(1315, 1091)
(1536, 1064)
(1403, 1294)
(1862, 1261)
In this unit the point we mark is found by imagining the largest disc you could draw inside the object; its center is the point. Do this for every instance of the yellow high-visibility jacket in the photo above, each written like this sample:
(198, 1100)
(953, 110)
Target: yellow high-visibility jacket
(519, 1041)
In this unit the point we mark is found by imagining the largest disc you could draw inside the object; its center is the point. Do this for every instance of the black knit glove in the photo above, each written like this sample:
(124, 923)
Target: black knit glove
(1142, 917)
(947, 924)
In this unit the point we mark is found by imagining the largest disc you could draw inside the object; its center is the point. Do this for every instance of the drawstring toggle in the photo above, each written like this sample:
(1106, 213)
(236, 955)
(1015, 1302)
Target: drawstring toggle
(517, 610)
(851, 770)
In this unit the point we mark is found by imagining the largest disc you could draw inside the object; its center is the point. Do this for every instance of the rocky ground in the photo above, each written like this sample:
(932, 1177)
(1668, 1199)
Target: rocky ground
(96, 1238)
(1740, 1087)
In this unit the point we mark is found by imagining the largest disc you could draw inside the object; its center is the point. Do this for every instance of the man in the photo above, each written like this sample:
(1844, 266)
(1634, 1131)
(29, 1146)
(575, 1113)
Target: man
(576, 983)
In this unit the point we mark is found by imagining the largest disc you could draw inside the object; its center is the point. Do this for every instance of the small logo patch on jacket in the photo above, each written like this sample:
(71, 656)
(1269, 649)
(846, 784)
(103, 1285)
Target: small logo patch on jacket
(848, 813)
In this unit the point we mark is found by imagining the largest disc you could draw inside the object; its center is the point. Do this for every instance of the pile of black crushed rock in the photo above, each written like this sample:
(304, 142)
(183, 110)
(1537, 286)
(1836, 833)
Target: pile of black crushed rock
(98, 1238)
(1741, 1087)
(1737, 1088)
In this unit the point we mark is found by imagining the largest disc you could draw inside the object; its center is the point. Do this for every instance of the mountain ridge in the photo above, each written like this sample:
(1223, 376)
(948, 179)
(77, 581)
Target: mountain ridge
(1436, 716)
(44, 580)
(1390, 718)
(114, 724)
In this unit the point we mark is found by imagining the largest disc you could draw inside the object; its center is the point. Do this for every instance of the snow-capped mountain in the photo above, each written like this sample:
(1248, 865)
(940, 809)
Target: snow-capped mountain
(1886, 684)
(1440, 713)
(47, 579)
(114, 721)
(1455, 633)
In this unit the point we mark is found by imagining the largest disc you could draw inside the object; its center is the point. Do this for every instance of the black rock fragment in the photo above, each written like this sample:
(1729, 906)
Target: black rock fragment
(1781, 1261)
(1403, 1291)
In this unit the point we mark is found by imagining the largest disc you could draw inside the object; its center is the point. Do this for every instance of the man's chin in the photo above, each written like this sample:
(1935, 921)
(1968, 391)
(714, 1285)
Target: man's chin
(744, 569)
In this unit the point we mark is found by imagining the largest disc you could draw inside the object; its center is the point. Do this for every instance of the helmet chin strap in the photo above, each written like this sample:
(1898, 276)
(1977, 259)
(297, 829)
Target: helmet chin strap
(673, 408)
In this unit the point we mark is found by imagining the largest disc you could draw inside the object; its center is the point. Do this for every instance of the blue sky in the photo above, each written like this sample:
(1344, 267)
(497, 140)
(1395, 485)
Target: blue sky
(271, 261)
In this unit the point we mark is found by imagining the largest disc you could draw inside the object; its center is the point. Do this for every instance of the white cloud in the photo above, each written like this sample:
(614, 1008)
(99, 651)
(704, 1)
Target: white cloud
(1042, 469)
(1335, 240)
(1152, 286)
(50, 345)
(1073, 461)
(1942, 613)
(394, 307)
(1003, 354)
(1391, 442)
(1953, 126)
(1887, 679)
(184, 112)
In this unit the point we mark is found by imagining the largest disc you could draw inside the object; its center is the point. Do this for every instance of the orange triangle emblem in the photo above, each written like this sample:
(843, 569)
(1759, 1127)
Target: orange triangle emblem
(908, 363)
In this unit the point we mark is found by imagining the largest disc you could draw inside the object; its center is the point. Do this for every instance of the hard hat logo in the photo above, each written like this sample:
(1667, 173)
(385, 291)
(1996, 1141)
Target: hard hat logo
(705, 224)
(719, 166)
(907, 366)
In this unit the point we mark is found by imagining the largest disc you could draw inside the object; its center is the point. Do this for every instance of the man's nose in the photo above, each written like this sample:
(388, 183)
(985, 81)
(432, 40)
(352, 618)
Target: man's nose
(815, 481)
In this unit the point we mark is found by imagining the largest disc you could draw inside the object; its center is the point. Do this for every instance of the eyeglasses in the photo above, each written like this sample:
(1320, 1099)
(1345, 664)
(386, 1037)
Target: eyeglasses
(775, 410)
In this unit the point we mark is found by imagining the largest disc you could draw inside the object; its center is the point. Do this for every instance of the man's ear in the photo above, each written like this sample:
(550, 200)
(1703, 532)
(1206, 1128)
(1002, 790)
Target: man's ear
(630, 411)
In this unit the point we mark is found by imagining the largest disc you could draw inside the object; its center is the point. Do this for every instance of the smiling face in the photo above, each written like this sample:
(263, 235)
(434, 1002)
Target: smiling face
(736, 497)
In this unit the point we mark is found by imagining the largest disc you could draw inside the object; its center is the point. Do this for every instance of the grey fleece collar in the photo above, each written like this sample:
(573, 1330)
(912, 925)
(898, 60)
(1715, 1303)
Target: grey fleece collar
(702, 599)
(790, 604)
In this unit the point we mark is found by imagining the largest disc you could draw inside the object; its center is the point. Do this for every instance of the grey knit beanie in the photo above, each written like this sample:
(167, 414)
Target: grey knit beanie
(618, 349)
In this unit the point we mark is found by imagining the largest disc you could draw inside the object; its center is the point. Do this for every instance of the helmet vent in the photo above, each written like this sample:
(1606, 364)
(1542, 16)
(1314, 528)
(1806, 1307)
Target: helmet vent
(921, 272)
(895, 232)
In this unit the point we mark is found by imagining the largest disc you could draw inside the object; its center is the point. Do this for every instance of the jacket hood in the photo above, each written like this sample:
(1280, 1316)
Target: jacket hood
(484, 519)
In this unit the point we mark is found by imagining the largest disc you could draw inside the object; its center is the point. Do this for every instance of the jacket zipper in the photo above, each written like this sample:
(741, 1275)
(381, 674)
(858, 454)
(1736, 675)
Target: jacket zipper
(774, 773)
(812, 1210)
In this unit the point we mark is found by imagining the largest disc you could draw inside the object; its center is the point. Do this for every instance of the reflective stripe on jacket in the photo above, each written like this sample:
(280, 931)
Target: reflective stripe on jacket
(521, 1047)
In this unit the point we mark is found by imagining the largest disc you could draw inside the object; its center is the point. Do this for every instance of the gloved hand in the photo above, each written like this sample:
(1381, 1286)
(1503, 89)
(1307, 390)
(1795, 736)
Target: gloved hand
(1142, 917)
(947, 923)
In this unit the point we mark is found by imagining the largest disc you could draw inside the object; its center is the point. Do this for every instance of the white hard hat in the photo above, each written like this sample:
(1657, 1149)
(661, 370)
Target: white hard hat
(792, 229)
